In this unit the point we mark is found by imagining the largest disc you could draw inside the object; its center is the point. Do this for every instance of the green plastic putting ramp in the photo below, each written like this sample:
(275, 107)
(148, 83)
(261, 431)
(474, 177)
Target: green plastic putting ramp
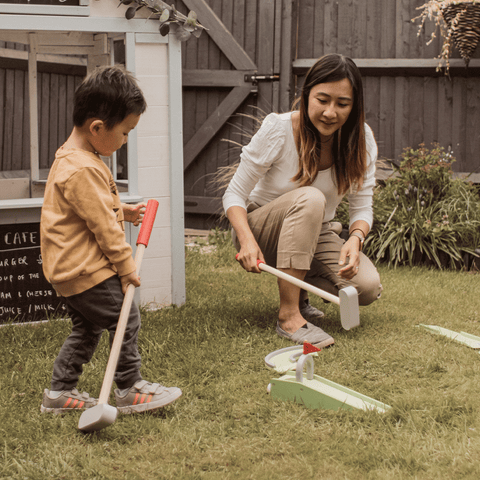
(318, 392)
(464, 338)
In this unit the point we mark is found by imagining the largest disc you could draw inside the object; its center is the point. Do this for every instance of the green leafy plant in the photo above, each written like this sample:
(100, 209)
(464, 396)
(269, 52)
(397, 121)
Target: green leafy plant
(168, 16)
(423, 215)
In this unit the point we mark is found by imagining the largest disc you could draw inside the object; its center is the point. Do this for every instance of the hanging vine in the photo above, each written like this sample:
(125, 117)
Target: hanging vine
(168, 16)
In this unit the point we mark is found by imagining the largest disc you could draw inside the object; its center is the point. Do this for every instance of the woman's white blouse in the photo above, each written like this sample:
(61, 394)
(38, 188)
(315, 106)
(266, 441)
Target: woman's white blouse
(270, 161)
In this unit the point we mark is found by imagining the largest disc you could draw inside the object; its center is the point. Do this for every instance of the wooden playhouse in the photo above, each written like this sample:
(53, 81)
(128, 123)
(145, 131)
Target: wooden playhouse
(46, 48)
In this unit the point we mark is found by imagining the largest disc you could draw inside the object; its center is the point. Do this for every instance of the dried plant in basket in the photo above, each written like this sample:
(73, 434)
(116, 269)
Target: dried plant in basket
(459, 23)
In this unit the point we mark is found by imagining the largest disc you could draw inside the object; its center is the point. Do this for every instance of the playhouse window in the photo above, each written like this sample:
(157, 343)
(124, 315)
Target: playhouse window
(29, 136)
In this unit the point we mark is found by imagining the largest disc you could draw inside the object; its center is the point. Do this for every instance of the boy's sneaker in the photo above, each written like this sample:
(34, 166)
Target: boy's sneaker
(67, 401)
(145, 396)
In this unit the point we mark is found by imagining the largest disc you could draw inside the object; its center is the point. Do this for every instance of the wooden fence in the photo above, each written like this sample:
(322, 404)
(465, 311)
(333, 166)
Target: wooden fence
(407, 100)
(252, 61)
(56, 86)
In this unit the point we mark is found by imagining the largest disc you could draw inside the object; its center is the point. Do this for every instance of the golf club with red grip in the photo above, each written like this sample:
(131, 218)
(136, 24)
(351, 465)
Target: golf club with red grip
(103, 414)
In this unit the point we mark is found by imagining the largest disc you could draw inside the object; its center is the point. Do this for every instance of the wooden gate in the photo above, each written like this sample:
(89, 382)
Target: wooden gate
(232, 72)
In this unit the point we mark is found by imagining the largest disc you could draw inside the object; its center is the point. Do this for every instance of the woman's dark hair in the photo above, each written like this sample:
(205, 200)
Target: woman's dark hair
(349, 150)
(109, 94)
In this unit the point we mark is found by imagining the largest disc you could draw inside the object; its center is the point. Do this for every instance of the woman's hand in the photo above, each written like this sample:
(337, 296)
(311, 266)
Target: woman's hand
(248, 256)
(249, 250)
(350, 250)
(134, 213)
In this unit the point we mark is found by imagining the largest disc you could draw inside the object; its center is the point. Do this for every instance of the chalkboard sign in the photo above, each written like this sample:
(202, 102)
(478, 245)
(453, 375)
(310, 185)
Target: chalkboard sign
(25, 294)
(42, 2)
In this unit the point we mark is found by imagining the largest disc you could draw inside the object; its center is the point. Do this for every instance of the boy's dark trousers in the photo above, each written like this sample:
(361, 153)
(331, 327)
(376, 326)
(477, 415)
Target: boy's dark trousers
(91, 313)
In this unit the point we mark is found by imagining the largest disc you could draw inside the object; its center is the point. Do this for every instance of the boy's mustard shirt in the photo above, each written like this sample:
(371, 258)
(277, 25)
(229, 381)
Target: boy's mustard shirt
(81, 229)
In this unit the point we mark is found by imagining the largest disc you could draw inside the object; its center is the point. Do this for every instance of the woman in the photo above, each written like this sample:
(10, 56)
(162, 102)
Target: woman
(291, 178)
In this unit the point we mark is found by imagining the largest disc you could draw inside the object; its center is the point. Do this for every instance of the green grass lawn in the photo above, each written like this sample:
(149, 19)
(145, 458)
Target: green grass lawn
(226, 426)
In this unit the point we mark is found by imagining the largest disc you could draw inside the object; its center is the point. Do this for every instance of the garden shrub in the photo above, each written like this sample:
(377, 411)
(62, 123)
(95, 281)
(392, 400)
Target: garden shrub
(422, 215)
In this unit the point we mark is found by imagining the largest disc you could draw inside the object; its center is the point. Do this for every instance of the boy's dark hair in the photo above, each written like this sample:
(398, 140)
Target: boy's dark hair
(109, 94)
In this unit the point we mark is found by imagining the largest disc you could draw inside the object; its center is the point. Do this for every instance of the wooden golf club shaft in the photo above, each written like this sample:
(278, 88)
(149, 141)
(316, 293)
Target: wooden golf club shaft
(299, 283)
(142, 242)
(119, 333)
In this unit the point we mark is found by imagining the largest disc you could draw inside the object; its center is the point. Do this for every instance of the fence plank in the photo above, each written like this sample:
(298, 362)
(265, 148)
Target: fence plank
(330, 26)
(8, 125)
(401, 115)
(200, 119)
(318, 30)
(189, 107)
(44, 102)
(371, 87)
(276, 54)
(386, 131)
(2, 117)
(62, 110)
(53, 116)
(306, 13)
(226, 8)
(359, 28)
(190, 50)
(346, 29)
(250, 42)
(458, 122)
(70, 98)
(430, 119)
(401, 28)
(208, 158)
(415, 112)
(238, 22)
(26, 126)
(415, 46)
(17, 119)
(472, 151)
(265, 55)
(286, 54)
(373, 21)
(444, 111)
(388, 29)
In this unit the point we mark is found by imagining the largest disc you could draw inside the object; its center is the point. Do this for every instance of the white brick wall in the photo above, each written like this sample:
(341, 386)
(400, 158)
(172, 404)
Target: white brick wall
(153, 147)
(151, 70)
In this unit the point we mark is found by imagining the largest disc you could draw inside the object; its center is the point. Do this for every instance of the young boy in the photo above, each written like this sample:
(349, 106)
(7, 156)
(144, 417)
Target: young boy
(85, 254)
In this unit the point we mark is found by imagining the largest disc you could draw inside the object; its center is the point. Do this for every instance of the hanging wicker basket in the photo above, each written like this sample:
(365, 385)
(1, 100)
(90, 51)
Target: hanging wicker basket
(463, 23)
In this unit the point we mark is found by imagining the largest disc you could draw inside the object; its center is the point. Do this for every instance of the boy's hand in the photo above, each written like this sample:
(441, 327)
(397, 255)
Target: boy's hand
(131, 278)
(134, 213)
